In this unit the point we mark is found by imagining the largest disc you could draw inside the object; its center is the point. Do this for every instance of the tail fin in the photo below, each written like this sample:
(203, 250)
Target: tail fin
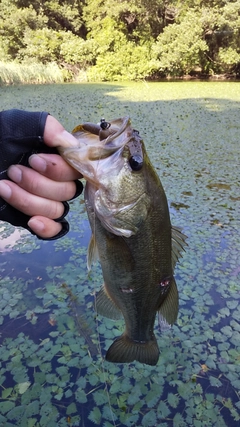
(124, 350)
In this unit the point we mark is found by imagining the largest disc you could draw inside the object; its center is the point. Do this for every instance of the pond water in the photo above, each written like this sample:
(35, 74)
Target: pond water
(52, 367)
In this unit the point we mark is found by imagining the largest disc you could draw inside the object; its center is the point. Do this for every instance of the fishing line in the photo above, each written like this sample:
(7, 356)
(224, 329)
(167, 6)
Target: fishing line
(97, 321)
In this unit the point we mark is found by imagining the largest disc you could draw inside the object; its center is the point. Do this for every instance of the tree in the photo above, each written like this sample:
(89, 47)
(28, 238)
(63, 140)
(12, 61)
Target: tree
(61, 14)
(13, 23)
(222, 35)
(138, 20)
(124, 39)
(20, 19)
(128, 62)
(181, 47)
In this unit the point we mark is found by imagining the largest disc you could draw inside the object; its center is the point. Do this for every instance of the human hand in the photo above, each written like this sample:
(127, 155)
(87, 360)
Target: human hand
(39, 191)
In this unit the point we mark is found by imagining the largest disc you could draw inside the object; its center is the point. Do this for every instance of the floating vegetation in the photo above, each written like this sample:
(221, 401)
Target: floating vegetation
(80, 320)
(219, 186)
(47, 376)
(179, 205)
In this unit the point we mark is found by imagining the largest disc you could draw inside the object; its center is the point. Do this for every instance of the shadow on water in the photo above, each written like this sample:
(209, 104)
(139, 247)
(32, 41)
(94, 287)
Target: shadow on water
(48, 375)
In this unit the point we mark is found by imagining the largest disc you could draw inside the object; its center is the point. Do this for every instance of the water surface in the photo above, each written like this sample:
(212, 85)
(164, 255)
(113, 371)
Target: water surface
(50, 374)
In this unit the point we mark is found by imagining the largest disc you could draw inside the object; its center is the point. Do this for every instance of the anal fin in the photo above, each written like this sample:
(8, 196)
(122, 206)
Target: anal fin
(169, 308)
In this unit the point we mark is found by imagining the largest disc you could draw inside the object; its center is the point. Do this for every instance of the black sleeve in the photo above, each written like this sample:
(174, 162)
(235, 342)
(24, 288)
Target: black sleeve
(21, 135)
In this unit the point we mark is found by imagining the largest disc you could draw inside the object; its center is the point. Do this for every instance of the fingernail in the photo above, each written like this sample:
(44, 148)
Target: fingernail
(38, 163)
(5, 191)
(15, 173)
(36, 225)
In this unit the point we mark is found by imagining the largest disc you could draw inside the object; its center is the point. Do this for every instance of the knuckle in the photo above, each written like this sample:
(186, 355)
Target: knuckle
(56, 211)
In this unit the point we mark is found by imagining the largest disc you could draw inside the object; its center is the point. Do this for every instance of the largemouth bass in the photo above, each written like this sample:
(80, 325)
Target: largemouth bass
(131, 235)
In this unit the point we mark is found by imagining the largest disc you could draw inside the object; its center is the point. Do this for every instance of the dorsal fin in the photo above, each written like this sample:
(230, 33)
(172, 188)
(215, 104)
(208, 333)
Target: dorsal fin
(178, 244)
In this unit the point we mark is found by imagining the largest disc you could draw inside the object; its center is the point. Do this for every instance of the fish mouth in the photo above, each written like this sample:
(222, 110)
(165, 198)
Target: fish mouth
(101, 159)
(98, 149)
(105, 139)
(114, 130)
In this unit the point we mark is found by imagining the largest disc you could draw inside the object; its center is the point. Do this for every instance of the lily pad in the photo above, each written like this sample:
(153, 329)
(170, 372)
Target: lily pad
(23, 387)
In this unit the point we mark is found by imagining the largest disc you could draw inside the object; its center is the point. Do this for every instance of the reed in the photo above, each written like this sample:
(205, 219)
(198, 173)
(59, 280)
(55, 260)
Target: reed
(33, 73)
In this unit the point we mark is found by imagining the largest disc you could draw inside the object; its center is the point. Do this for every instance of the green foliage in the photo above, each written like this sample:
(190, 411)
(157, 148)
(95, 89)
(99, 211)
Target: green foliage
(127, 62)
(77, 51)
(42, 44)
(180, 48)
(14, 22)
(125, 40)
(229, 58)
(137, 20)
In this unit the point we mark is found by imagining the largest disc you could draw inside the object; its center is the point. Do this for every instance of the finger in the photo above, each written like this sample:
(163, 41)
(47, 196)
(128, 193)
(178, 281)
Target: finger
(30, 204)
(44, 227)
(37, 184)
(54, 167)
(55, 135)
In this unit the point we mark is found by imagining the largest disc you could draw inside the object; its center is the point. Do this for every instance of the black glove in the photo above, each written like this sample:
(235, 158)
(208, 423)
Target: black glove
(21, 135)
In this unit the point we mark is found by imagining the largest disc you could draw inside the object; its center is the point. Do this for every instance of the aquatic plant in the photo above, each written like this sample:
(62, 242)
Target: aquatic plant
(47, 376)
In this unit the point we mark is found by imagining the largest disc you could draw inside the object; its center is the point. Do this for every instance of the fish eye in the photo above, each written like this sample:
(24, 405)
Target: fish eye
(136, 162)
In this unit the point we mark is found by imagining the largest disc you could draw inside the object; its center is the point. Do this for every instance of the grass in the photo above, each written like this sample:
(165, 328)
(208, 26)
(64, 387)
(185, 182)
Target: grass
(35, 73)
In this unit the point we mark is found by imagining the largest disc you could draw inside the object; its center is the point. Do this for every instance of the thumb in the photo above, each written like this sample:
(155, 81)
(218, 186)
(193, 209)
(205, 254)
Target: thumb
(56, 136)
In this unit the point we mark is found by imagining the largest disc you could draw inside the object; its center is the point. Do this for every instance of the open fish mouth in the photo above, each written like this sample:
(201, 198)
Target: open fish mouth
(104, 138)
(98, 148)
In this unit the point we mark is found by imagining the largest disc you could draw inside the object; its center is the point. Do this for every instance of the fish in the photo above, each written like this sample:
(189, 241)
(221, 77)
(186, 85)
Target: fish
(132, 235)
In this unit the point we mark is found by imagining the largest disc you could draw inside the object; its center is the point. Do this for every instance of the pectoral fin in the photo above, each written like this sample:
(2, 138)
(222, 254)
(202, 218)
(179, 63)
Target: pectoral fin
(92, 253)
(106, 307)
(169, 308)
